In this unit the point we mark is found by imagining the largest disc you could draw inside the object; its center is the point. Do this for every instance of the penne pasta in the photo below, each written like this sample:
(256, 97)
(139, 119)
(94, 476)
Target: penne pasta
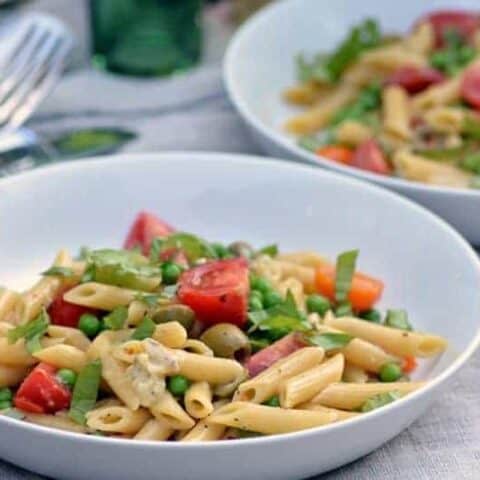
(198, 400)
(12, 375)
(117, 419)
(155, 430)
(167, 409)
(396, 112)
(354, 374)
(63, 356)
(170, 334)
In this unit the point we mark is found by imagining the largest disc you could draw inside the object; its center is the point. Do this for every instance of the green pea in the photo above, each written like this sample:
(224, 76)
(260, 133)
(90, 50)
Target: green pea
(390, 372)
(318, 304)
(67, 376)
(255, 303)
(221, 250)
(178, 385)
(89, 324)
(170, 273)
(343, 310)
(5, 404)
(5, 394)
(271, 298)
(272, 401)
(372, 316)
(261, 284)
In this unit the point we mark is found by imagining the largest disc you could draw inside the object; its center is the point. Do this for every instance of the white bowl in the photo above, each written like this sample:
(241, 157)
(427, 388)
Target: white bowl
(428, 269)
(259, 65)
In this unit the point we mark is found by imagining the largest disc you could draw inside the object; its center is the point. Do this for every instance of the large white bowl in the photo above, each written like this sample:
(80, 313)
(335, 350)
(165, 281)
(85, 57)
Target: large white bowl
(259, 65)
(428, 269)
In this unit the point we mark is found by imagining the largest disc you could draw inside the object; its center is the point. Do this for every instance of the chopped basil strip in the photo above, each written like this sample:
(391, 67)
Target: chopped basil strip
(344, 274)
(156, 249)
(454, 56)
(380, 400)
(149, 299)
(32, 332)
(59, 272)
(471, 128)
(329, 341)
(397, 319)
(471, 163)
(115, 320)
(144, 330)
(270, 250)
(85, 392)
(314, 142)
(192, 246)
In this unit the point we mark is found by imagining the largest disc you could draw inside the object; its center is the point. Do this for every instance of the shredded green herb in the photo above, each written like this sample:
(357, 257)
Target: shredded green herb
(270, 250)
(59, 272)
(144, 330)
(32, 332)
(397, 319)
(329, 341)
(115, 320)
(454, 56)
(344, 273)
(380, 400)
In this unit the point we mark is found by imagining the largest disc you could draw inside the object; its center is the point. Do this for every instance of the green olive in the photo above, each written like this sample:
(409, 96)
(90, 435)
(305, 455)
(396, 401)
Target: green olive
(241, 249)
(227, 340)
(174, 313)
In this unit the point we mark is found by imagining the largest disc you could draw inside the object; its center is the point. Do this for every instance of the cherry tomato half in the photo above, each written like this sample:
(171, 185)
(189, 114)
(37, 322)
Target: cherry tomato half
(369, 156)
(415, 79)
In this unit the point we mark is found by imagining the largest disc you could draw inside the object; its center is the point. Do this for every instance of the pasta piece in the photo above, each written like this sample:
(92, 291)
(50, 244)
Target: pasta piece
(305, 275)
(318, 117)
(443, 93)
(15, 355)
(295, 288)
(354, 374)
(269, 420)
(305, 258)
(11, 306)
(351, 396)
(358, 352)
(104, 342)
(198, 400)
(306, 94)
(154, 429)
(353, 133)
(419, 169)
(399, 342)
(304, 386)
(99, 295)
(341, 414)
(63, 356)
(198, 347)
(45, 290)
(170, 334)
(169, 410)
(216, 371)
(361, 75)
(117, 419)
(204, 431)
(59, 421)
(71, 336)
(445, 119)
(422, 39)
(269, 382)
(136, 312)
(12, 376)
(391, 57)
(227, 389)
(396, 112)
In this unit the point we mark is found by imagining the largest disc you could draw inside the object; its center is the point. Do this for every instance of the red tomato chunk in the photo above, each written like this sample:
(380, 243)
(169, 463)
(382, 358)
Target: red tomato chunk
(369, 156)
(42, 392)
(470, 86)
(415, 79)
(67, 314)
(217, 291)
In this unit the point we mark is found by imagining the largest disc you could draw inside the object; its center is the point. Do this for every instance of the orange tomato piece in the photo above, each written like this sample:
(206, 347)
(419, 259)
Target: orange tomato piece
(409, 364)
(364, 292)
(337, 153)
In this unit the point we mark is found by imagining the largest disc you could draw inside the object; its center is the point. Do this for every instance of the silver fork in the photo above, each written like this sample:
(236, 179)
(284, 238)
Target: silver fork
(31, 70)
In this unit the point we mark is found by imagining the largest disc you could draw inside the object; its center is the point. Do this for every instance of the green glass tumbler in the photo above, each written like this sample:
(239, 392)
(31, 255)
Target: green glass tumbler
(146, 37)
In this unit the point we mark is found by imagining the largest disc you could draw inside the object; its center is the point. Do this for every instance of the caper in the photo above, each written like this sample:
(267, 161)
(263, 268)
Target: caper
(227, 340)
(174, 313)
(241, 249)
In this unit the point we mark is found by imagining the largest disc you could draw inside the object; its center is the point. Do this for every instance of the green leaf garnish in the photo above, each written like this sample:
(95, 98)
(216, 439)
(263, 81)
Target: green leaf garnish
(471, 163)
(397, 319)
(329, 341)
(344, 273)
(192, 246)
(156, 249)
(149, 299)
(380, 400)
(59, 272)
(315, 141)
(169, 292)
(270, 250)
(144, 330)
(85, 392)
(32, 332)
(115, 320)
(471, 128)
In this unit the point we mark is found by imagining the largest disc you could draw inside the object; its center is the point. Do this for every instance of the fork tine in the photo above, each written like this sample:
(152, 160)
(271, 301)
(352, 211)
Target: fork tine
(19, 66)
(19, 45)
(43, 88)
(33, 75)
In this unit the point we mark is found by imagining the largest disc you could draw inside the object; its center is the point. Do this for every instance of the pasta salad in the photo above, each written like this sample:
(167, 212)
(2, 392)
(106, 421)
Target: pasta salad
(177, 338)
(405, 106)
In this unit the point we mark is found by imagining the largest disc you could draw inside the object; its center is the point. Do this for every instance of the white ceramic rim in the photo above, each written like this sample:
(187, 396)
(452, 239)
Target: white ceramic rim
(230, 82)
(251, 160)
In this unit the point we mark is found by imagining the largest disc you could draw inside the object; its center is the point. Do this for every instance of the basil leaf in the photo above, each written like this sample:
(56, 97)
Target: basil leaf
(446, 154)
(115, 320)
(278, 326)
(149, 299)
(144, 330)
(258, 343)
(155, 249)
(471, 128)
(170, 291)
(59, 272)
(270, 250)
(471, 163)
(344, 273)
(380, 400)
(316, 141)
(89, 274)
(194, 247)
(85, 392)
(398, 319)
(32, 332)
(456, 54)
(315, 69)
(329, 341)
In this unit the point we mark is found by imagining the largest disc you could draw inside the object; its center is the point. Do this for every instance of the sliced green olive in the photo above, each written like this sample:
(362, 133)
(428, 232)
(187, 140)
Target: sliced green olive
(227, 340)
(241, 249)
(174, 313)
